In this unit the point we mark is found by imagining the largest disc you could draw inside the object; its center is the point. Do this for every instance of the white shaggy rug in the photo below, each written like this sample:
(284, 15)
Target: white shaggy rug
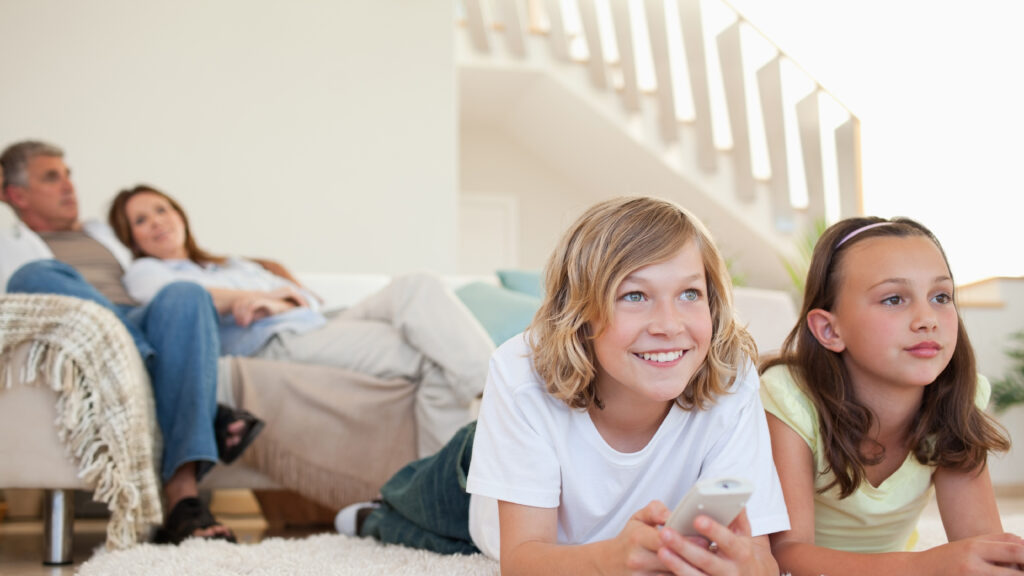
(339, 555)
(321, 554)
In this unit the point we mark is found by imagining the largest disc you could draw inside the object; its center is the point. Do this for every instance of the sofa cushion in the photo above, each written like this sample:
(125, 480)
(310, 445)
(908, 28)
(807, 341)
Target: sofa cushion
(525, 281)
(502, 312)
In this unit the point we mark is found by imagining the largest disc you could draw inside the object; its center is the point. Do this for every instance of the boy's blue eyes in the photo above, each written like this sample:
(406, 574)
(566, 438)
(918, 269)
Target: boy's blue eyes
(633, 297)
(691, 295)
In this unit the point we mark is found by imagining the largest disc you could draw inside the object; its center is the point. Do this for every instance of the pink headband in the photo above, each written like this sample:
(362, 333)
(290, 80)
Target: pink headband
(859, 230)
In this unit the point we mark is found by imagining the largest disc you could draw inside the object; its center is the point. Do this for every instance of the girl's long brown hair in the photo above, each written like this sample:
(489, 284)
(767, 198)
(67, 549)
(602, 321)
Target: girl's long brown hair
(118, 219)
(948, 430)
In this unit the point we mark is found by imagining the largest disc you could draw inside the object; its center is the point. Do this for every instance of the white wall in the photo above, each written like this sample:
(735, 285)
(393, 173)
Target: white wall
(993, 310)
(492, 164)
(555, 147)
(318, 132)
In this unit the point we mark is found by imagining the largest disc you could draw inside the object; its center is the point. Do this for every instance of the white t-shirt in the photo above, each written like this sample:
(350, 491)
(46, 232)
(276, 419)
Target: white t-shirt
(532, 449)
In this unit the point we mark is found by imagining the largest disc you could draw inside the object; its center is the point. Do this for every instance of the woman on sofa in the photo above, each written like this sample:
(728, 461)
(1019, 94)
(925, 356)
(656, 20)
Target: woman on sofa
(415, 328)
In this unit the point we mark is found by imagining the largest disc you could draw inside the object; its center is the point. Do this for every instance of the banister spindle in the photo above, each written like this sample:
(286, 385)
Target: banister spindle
(730, 54)
(668, 126)
(477, 26)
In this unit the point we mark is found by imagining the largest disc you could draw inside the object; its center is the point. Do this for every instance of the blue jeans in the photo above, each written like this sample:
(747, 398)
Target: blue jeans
(425, 504)
(176, 334)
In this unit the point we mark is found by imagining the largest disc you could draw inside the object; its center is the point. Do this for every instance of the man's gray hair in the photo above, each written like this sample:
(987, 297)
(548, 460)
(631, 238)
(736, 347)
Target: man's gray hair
(15, 160)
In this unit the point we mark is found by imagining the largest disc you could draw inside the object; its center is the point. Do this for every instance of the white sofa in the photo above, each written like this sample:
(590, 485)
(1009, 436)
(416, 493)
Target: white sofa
(33, 457)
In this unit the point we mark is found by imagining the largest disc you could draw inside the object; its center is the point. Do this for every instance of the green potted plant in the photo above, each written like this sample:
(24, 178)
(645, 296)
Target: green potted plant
(1009, 390)
(797, 265)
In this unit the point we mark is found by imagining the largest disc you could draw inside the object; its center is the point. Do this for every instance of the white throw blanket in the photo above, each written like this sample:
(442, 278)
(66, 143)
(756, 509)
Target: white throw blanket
(105, 412)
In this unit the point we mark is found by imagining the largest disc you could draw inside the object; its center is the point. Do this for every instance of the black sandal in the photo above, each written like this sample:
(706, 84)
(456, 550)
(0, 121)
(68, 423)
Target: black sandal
(189, 515)
(227, 416)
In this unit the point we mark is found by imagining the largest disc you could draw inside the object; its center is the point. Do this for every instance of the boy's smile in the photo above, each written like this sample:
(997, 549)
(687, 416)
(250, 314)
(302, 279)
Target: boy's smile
(659, 333)
(661, 357)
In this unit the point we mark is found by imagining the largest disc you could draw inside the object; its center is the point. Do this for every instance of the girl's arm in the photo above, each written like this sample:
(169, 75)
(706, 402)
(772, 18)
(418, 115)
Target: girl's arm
(966, 502)
(796, 552)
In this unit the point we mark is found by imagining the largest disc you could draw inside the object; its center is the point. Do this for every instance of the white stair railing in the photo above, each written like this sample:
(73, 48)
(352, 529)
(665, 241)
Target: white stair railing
(700, 63)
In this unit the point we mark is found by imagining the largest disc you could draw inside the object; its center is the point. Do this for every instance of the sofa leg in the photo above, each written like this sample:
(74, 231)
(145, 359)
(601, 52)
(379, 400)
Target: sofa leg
(58, 510)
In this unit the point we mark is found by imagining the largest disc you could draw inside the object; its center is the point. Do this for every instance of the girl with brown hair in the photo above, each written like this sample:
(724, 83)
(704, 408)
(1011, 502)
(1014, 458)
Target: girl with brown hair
(874, 401)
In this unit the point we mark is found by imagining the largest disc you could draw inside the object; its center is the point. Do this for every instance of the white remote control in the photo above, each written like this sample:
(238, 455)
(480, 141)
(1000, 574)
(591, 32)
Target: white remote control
(722, 499)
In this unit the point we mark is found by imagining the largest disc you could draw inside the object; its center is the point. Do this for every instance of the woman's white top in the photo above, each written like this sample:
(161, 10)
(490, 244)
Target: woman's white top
(147, 276)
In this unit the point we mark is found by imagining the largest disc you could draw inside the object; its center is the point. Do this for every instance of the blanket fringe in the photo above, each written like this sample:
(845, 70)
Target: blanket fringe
(312, 480)
(105, 413)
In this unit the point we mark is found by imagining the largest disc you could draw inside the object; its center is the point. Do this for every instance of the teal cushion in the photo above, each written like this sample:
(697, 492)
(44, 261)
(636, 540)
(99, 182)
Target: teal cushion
(525, 281)
(502, 312)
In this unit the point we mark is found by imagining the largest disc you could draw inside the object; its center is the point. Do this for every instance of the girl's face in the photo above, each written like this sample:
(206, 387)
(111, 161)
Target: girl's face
(659, 331)
(894, 316)
(157, 228)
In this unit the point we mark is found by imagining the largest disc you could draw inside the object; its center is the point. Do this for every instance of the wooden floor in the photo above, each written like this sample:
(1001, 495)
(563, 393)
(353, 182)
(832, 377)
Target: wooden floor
(22, 544)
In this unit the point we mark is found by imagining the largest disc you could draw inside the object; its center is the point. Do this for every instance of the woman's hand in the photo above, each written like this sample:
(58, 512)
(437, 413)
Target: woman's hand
(289, 294)
(258, 305)
(278, 269)
(722, 551)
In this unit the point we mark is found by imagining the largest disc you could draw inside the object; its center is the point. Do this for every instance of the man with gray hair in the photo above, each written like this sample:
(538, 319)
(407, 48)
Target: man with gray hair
(51, 251)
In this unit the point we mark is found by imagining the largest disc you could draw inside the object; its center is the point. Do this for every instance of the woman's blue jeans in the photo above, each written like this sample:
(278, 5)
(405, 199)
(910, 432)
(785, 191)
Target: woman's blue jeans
(425, 504)
(176, 334)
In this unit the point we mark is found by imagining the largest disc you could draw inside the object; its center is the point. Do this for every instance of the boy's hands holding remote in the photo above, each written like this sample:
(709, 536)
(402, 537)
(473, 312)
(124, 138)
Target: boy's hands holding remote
(636, 547)
(721, 551)
(645, 547)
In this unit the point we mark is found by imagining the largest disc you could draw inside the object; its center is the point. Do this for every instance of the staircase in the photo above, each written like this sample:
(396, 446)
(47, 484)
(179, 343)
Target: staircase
(682, 99)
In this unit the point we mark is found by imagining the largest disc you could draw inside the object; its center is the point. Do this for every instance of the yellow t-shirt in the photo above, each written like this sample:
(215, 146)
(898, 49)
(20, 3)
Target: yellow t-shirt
(872, 519)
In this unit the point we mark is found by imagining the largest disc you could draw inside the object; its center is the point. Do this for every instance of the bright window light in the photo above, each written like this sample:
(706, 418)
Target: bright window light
(796, 85)
(643, 59)
(757, 51)
(832, 115)
(609, 45)
(680, 71)
(573, 24)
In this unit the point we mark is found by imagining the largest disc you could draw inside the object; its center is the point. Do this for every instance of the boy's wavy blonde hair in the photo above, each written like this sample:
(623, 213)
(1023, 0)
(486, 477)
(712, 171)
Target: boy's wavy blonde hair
(606, 244)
